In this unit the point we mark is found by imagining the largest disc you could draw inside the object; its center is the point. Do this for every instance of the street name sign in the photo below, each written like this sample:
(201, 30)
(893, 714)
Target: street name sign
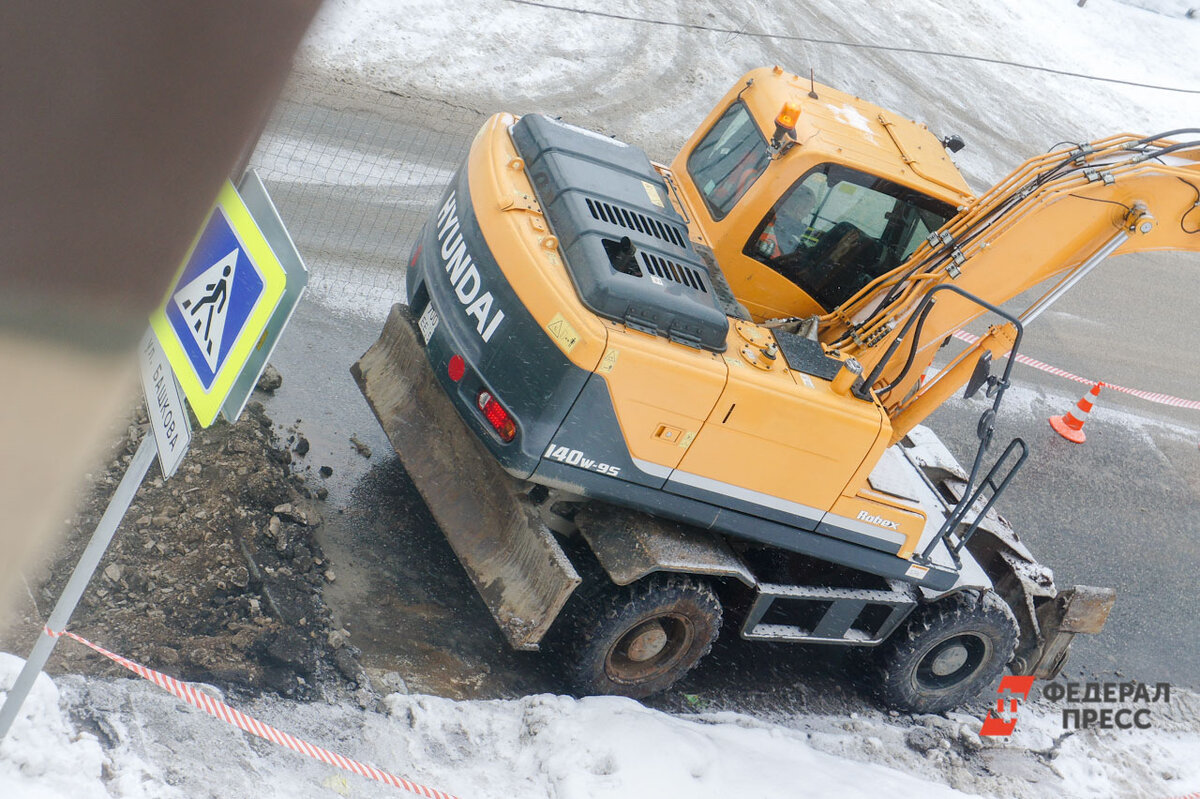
(164, 405)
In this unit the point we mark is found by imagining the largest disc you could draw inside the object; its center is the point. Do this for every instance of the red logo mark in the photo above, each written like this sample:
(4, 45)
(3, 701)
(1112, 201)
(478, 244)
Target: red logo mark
(1011, 693)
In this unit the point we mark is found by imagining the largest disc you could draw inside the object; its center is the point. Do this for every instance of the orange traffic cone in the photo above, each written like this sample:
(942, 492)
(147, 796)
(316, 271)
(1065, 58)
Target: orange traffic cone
(1070, 424)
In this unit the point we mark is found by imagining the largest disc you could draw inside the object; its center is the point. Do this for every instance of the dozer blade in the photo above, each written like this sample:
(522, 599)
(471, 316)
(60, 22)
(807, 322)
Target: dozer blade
(518, 568)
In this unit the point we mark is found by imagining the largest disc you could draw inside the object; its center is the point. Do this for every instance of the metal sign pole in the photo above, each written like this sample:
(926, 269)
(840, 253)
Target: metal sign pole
(122, 498)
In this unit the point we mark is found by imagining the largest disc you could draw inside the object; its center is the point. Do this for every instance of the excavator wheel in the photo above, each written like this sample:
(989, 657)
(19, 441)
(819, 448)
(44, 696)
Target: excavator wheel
(947, 653)
(638, 640)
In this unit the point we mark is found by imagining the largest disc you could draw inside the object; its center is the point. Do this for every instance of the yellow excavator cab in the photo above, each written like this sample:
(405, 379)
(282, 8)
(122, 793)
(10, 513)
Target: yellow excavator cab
(801, 215)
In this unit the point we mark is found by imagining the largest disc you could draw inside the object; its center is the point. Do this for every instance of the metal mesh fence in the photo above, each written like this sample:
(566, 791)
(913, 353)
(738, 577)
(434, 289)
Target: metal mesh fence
(355, 172)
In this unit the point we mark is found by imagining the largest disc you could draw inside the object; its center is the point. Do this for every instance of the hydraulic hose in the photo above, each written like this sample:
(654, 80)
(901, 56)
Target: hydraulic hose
(1166, 135)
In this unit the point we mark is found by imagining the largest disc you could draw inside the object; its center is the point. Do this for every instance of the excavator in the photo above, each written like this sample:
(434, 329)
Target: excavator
(646, 402)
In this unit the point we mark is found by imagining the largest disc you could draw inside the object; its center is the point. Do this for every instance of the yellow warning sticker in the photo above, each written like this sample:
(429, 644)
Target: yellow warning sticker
(686, 441)
(608, 362)
(916, 572)
(652, 193)
(564, 335)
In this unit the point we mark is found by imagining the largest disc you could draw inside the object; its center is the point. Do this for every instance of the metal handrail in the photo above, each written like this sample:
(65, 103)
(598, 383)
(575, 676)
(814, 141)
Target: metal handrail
(985, 430)
(968, 500)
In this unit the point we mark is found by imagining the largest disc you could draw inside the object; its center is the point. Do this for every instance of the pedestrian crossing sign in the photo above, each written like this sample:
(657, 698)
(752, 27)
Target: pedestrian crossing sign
(219, 305)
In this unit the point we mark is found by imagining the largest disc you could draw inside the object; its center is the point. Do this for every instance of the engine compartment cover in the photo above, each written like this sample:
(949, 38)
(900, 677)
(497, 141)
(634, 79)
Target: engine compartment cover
(625, 246)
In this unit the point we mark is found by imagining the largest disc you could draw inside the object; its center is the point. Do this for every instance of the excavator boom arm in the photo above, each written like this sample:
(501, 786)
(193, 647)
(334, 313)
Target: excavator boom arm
(1057, 215)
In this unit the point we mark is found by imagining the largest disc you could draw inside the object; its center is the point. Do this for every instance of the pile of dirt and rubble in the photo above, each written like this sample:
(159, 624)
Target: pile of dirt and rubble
(214, 575)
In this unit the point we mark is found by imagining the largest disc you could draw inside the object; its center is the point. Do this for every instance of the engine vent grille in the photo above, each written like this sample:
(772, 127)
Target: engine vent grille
(667, 269)
(632, 220)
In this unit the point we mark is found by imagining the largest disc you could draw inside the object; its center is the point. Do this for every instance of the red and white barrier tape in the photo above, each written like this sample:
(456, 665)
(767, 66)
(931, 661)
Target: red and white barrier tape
(1161, 399)
(215, 707)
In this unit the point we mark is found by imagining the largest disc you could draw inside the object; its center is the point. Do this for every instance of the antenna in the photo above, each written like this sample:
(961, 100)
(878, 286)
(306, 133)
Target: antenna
(812, 84)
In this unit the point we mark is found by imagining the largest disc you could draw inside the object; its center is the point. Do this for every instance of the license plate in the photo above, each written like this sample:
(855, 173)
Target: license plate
(428, 322)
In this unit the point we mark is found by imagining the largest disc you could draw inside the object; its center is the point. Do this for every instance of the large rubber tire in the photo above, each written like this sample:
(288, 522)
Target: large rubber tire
(638, 640)
(947, 653)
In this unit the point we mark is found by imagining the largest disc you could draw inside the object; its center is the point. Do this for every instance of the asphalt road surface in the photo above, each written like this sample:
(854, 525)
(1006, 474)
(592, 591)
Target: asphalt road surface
(1122, 510)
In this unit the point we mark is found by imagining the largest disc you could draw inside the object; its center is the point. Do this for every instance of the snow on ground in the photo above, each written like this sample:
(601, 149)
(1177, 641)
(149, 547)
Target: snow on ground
(536, 746)
(651, 84)
(86, 738)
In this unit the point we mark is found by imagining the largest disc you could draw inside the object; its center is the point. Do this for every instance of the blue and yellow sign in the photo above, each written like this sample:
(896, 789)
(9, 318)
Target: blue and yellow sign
(219, 305)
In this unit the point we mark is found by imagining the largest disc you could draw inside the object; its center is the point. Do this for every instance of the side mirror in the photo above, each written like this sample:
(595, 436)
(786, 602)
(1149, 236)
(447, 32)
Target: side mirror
(983, 371)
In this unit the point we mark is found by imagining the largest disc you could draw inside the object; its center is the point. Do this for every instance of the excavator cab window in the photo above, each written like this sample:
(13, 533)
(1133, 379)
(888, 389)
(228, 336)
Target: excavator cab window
(837, 229)
(728, 160)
